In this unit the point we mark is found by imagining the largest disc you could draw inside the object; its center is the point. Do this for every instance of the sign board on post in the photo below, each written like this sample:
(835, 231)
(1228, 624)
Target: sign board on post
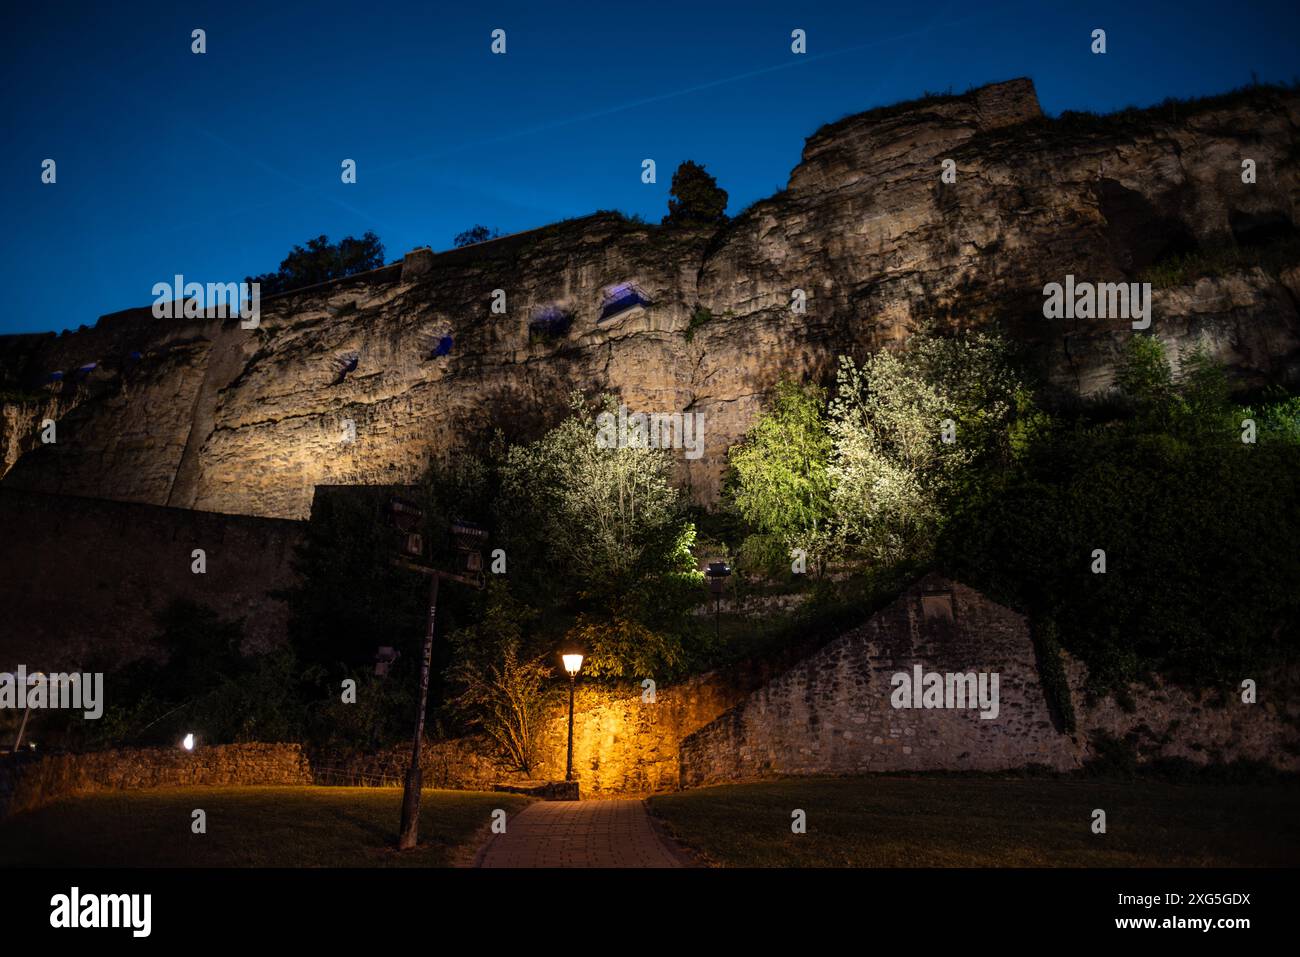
(405, 516)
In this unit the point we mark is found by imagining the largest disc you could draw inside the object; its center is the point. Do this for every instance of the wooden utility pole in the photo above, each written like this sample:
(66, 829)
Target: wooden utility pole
(405, 516)
(410, 832)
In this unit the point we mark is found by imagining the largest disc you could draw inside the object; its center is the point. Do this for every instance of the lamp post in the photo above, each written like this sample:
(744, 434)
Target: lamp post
(717, 574)
(572, 664)
(405, 516)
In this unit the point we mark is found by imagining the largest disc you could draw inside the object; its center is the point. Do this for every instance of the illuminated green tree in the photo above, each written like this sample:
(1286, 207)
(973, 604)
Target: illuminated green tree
(912, 431)
(779, 481)
(603, 530)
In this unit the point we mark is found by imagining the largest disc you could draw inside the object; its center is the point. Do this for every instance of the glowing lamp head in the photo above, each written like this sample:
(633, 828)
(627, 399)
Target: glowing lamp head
(188, 743)
(572, 663)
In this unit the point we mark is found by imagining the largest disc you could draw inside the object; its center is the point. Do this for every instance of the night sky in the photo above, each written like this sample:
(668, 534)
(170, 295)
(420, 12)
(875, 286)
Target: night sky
(214, 166)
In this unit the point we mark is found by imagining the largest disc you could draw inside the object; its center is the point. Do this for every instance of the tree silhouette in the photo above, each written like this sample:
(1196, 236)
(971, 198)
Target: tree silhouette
(695, 197)
(320, 261)
(476, 234)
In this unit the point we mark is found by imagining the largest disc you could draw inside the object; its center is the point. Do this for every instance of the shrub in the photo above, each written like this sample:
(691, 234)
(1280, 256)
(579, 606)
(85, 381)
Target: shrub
(699, 317)
(1051, 672)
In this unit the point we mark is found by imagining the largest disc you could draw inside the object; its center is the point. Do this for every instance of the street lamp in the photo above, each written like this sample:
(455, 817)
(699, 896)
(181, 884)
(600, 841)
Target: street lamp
(717, 573)
(572, 664)
(406, 516)
(188, 743)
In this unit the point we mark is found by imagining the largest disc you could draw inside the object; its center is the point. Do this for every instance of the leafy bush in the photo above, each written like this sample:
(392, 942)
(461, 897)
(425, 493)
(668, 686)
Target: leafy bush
(873, 475)
(605, 525)
(1277, 421)
(892, 473)
(503, 690)
(1202, 578)
(1051, 672)
(699, 317)
(618, 647)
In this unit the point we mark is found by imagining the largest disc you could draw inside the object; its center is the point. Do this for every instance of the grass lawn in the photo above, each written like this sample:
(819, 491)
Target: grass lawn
(249, 827)
(940, 821)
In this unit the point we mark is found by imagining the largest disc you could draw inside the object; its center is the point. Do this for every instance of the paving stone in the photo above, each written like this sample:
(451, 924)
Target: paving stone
(615, 833)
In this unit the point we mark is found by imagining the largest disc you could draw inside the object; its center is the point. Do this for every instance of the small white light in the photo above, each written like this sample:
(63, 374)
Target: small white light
(188, 743)
(572, 663)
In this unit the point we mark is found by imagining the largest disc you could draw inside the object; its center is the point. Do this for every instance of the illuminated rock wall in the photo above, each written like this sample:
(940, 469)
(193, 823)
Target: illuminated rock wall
(218, 418)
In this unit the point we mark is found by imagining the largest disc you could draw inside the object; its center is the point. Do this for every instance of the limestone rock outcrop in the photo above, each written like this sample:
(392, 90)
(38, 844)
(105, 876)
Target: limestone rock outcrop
(215, 417)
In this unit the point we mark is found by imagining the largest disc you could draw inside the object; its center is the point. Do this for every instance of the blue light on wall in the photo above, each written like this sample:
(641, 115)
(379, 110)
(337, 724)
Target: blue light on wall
(551, 321)
(621, 298)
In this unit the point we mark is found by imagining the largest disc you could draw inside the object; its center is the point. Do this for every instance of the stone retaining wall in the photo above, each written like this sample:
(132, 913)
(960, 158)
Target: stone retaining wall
(829, 714)
(623, 743)
(82, 580)
(832, 713)
(461, 763)
(27, 783)
(1168, 721)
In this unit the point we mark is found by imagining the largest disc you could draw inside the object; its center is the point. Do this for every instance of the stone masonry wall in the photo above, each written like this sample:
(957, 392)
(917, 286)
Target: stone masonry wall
(1172, 722)
(31, 784)
(459, 763)
(622, 744)
(832, 714)
(81, 580)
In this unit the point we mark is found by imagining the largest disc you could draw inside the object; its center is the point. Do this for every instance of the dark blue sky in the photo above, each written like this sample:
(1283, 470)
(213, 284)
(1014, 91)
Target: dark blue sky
(214, 166)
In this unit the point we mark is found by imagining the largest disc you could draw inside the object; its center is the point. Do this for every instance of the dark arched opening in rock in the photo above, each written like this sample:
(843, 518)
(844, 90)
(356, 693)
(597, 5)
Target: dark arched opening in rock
(1260, 229)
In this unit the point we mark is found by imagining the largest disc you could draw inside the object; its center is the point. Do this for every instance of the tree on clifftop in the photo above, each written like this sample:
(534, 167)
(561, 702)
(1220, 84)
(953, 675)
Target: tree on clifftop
(320, 261)
(695, 197)
(475, 234)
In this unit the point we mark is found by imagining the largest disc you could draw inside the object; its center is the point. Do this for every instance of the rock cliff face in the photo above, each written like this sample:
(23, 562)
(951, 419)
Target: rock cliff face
(215, 417)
